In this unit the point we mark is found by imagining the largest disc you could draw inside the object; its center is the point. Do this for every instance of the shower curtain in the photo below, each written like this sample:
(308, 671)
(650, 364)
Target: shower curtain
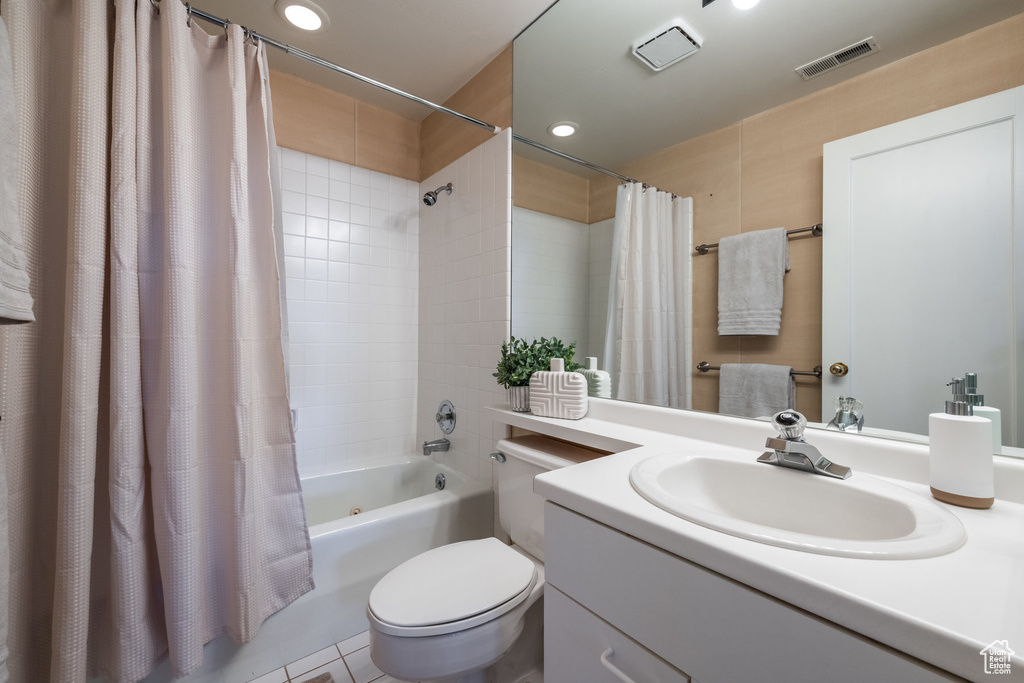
(647, 339)
(154, 500)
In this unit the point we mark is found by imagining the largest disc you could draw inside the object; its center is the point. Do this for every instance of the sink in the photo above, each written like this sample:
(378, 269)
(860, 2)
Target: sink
(862, 516)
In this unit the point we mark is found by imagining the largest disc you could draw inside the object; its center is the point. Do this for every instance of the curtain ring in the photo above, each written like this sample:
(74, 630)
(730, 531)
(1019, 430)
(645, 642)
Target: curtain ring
(188, 11)
(156, 5)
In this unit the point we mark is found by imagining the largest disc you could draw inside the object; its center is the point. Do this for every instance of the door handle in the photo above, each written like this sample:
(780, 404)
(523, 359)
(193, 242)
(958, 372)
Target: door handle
(838, 369)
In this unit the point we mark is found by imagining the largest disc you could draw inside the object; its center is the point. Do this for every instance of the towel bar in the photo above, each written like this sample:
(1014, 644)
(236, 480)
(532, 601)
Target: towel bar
(815, 231)
(705, 366)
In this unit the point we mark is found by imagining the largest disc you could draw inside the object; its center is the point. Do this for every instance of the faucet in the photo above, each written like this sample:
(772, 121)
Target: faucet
(790, 450)
(849, 415)
(441, 444)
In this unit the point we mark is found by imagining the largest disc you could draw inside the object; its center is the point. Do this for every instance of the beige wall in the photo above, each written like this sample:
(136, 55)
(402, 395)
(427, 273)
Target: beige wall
(315, 120)
(540, 187)
(320, 121)
(487, 96)
(766, 172)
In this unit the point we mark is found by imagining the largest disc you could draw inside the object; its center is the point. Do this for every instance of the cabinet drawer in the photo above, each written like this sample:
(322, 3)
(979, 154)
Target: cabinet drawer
(579, 646)
(714, 628)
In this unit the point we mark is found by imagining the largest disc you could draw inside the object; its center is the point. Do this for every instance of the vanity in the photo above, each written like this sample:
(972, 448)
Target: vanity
(638, 593)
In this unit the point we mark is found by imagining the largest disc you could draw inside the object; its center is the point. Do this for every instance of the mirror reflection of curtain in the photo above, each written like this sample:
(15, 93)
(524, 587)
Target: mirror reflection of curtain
(647, 341)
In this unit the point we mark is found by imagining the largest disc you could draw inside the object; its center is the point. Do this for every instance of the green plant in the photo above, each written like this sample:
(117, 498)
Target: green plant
(520, 359)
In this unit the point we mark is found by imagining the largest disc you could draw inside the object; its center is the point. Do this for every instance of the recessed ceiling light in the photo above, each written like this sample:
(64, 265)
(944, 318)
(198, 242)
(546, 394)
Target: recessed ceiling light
(303, 14)
(563, 129)
(744, 4)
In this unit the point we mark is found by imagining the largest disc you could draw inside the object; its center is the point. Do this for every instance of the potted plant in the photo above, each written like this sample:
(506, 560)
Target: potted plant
(519, 360)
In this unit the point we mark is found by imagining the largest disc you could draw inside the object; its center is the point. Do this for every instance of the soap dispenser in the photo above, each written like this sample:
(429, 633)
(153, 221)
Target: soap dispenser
(977, 402)
(960, 451)
(599, 382)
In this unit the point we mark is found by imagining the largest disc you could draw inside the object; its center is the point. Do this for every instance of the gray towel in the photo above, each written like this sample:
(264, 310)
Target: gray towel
(750, 271)
(755, 389)
(15, 300)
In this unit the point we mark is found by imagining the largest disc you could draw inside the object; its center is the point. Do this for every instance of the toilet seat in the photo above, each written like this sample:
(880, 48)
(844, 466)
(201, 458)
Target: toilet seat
(451, 588)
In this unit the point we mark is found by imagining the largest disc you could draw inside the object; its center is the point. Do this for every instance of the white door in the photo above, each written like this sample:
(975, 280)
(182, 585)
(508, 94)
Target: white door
(921, 264)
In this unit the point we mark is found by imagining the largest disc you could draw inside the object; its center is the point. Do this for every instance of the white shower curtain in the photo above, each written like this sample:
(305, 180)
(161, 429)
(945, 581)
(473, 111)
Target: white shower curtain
(647, 340)
(154, 500)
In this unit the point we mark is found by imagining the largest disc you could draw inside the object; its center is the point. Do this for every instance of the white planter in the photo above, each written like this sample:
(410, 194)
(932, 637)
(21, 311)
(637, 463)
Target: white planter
(519, 398)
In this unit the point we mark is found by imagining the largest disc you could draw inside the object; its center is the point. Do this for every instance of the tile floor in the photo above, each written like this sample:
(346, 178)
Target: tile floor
(347, 662)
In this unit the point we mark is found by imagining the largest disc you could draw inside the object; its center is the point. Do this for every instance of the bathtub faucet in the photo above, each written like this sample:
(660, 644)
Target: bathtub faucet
(436, 445)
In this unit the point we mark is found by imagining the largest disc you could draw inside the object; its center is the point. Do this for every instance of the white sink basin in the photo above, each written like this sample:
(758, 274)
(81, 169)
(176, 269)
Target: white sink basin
(862, 516)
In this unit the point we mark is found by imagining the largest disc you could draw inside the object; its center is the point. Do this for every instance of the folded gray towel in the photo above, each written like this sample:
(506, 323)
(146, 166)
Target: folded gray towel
(755, 389)
(750, 271)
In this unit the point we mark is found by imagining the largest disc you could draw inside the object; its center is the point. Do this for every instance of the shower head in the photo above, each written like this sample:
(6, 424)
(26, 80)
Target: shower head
(430, 198)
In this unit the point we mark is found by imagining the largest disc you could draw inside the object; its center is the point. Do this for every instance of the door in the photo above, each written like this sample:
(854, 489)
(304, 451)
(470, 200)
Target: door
(921, 261)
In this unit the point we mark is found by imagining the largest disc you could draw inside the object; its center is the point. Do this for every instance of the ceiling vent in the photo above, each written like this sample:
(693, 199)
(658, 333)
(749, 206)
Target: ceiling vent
(667, 45)
(838, 58)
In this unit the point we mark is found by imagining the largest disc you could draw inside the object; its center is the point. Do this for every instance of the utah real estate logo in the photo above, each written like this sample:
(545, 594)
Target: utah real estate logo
(997, 657)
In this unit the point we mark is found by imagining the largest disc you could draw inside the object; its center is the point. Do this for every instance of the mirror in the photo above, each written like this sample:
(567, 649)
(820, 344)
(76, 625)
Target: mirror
(732, 126)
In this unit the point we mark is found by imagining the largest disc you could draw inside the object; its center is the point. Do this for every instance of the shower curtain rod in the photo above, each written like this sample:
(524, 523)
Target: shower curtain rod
(575, 160)
(309, 57)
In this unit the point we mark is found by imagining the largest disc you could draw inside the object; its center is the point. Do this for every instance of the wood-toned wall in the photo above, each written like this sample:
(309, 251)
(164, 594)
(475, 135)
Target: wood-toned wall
(313, 119)
(540, 187)
(317, 120)
(766, 172)
(487, 97)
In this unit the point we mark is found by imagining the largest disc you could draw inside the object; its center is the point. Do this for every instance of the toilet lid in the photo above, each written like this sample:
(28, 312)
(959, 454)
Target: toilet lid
(451, 583)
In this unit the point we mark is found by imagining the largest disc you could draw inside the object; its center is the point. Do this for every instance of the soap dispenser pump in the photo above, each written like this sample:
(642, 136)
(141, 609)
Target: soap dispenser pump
(979, 409)
(960, 453)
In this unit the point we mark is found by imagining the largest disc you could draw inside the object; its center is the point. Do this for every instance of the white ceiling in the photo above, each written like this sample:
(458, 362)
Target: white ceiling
(429, 48)
(575, 64)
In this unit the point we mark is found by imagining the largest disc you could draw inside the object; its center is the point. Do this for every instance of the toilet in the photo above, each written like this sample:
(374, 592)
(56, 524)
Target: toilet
(472, 611)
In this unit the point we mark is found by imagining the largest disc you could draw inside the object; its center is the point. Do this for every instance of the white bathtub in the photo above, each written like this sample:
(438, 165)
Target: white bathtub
(402, 515)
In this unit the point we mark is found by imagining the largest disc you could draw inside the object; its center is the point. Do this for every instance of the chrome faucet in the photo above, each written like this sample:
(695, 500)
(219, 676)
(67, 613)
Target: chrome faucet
(790, 450)
(849, 415)
(441, 444)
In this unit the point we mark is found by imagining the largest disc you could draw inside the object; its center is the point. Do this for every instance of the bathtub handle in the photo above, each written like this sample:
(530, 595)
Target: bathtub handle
(616, 671)
(498, 457)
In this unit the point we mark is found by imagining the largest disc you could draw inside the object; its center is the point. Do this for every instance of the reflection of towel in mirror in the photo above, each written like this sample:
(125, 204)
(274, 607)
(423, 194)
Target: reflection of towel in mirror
(750, 271)
(755, 389)
(15, 300)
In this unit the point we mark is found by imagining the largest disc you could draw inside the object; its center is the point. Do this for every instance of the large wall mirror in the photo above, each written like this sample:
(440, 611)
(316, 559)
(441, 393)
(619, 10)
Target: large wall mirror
(736, 134)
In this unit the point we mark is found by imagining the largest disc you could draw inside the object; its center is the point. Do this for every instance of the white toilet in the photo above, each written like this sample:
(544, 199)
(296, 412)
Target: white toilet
(472, 611)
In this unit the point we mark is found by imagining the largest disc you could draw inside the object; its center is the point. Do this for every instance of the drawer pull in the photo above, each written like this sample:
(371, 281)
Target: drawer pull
(605, 656)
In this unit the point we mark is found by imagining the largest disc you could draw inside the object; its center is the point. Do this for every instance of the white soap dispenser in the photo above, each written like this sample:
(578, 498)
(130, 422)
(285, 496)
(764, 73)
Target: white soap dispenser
(977, 402)
(960, 450)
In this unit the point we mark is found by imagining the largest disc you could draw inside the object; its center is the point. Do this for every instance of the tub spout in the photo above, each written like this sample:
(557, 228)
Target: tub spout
(436, 445)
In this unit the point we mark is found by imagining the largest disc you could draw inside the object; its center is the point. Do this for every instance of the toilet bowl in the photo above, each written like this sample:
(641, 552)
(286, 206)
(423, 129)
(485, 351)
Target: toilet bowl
(472, 612)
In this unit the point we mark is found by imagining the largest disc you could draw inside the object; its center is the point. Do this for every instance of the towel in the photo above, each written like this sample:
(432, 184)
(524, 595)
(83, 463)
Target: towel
(755, 389)
(750, 271)
(15, 300)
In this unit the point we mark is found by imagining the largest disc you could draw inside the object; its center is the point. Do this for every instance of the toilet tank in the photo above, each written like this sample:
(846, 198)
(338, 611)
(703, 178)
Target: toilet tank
(520, 510)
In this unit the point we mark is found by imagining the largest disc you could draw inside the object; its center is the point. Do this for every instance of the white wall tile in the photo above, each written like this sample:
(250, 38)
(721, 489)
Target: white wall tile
(463, 251)
(353, 401)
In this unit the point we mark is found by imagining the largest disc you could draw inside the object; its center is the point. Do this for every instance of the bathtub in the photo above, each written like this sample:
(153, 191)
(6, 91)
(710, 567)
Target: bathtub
(398, 514)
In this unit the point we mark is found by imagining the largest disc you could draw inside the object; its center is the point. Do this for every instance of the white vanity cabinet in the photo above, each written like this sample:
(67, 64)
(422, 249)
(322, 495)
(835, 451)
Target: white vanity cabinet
(660, 615)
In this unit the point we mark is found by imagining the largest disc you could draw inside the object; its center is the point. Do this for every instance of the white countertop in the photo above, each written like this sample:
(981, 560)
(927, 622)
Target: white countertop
(942, 610)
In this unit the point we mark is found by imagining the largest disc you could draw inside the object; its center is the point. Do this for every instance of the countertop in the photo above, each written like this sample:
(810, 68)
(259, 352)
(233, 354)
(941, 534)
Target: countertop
(942, 610)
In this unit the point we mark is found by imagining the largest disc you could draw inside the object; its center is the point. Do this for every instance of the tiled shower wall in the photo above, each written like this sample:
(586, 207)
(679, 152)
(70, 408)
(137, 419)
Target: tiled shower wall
(465, 280)
(351, 249)
(551, 279)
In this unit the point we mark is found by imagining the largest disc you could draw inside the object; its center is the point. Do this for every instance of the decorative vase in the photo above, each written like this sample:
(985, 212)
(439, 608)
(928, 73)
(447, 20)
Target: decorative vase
(519, 398)
(599, 382)
(558, 393)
